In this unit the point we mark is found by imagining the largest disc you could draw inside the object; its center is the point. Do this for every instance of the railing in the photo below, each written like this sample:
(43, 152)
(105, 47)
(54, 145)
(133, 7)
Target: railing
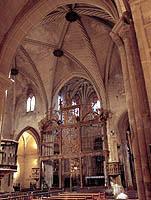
(113, 168)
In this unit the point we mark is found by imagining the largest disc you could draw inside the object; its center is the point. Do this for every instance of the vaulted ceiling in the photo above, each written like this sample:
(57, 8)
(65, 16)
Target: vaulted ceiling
(87, 49)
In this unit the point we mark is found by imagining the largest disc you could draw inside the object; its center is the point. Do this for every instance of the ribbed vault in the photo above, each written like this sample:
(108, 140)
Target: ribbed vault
(85, 44)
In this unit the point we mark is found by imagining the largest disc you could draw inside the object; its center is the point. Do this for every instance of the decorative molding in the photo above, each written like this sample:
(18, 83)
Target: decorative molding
(122, 29)
(123, 21)
(108, 63)
(37, 42)
(92, 53)
(84, 10)
(135, 2)
(95, 12)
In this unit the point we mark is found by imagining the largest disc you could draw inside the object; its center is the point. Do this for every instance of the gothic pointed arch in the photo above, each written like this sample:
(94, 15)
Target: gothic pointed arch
(125, 151)
(33, 132)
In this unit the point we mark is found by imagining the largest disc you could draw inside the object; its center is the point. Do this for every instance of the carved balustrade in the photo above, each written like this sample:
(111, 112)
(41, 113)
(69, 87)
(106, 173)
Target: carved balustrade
(113, 168)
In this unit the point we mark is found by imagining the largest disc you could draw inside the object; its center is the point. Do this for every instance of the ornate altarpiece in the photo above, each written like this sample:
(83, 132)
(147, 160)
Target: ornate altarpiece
(74, 143)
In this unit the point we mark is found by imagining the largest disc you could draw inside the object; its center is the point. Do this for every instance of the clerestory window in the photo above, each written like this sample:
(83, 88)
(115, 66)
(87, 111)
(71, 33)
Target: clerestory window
(30, 101)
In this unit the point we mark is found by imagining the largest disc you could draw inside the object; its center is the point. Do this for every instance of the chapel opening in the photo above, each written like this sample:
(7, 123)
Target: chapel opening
(27, 162)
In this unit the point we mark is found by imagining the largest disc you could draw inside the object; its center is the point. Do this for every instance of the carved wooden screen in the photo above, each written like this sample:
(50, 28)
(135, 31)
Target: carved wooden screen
(89, 135)
(71, 141)
(75, 144)
(50, 142)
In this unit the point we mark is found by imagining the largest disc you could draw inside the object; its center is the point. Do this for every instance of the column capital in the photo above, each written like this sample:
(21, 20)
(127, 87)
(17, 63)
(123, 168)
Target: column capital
(123, 26)
(5, 82)
(125, 31)
(126, 18)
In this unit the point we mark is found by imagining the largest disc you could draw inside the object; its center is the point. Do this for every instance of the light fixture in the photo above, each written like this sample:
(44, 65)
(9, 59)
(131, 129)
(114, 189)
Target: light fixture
(58, 52)
(14, 71)
(72, 16)
(75, 167)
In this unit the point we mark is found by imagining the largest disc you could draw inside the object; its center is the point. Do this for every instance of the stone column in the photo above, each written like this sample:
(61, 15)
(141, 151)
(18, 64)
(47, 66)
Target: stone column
(120, 6)
(5, 82)
(130, 105)
(60, 173)
(142, 17)
(81, 175)
(106, 156)
(141, 105)
(126, 163)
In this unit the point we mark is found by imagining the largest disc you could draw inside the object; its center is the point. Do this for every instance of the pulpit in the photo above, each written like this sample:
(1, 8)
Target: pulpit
(8, 157)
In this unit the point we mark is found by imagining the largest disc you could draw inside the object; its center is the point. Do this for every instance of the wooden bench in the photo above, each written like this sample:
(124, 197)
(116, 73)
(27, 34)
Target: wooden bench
(78, 196)
(68, 198)
(15, 196)
(94, 196)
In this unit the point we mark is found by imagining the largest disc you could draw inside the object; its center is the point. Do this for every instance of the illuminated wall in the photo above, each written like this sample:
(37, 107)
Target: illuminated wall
(27, 159)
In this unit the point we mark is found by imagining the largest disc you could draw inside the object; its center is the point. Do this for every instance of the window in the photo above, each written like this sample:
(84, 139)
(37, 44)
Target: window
(96, 105)
(73, 102)
(76, 110)
(30, 101)
(60, 100)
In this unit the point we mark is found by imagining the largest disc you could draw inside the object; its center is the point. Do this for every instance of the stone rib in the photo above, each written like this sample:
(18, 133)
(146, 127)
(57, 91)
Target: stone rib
(96, 69)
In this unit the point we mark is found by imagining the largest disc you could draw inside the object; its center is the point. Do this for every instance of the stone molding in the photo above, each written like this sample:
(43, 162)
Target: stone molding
(115, 37)
(132, 2)
(122, 28)
(125, 31)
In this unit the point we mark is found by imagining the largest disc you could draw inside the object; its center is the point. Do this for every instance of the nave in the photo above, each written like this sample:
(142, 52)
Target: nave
(75, 100)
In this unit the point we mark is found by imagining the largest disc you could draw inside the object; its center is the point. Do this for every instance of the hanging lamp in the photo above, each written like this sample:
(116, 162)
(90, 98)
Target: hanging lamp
(72, 16)
(14, 71)
(58, 52)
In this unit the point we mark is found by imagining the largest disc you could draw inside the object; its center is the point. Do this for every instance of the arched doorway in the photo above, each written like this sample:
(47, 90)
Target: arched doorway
(27, 175)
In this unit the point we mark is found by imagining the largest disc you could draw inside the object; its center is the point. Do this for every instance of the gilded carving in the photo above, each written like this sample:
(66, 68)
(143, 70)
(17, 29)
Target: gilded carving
(70, 141)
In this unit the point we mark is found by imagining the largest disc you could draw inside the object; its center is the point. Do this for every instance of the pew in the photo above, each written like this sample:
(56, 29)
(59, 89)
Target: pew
(78, 196)
(93, 196)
